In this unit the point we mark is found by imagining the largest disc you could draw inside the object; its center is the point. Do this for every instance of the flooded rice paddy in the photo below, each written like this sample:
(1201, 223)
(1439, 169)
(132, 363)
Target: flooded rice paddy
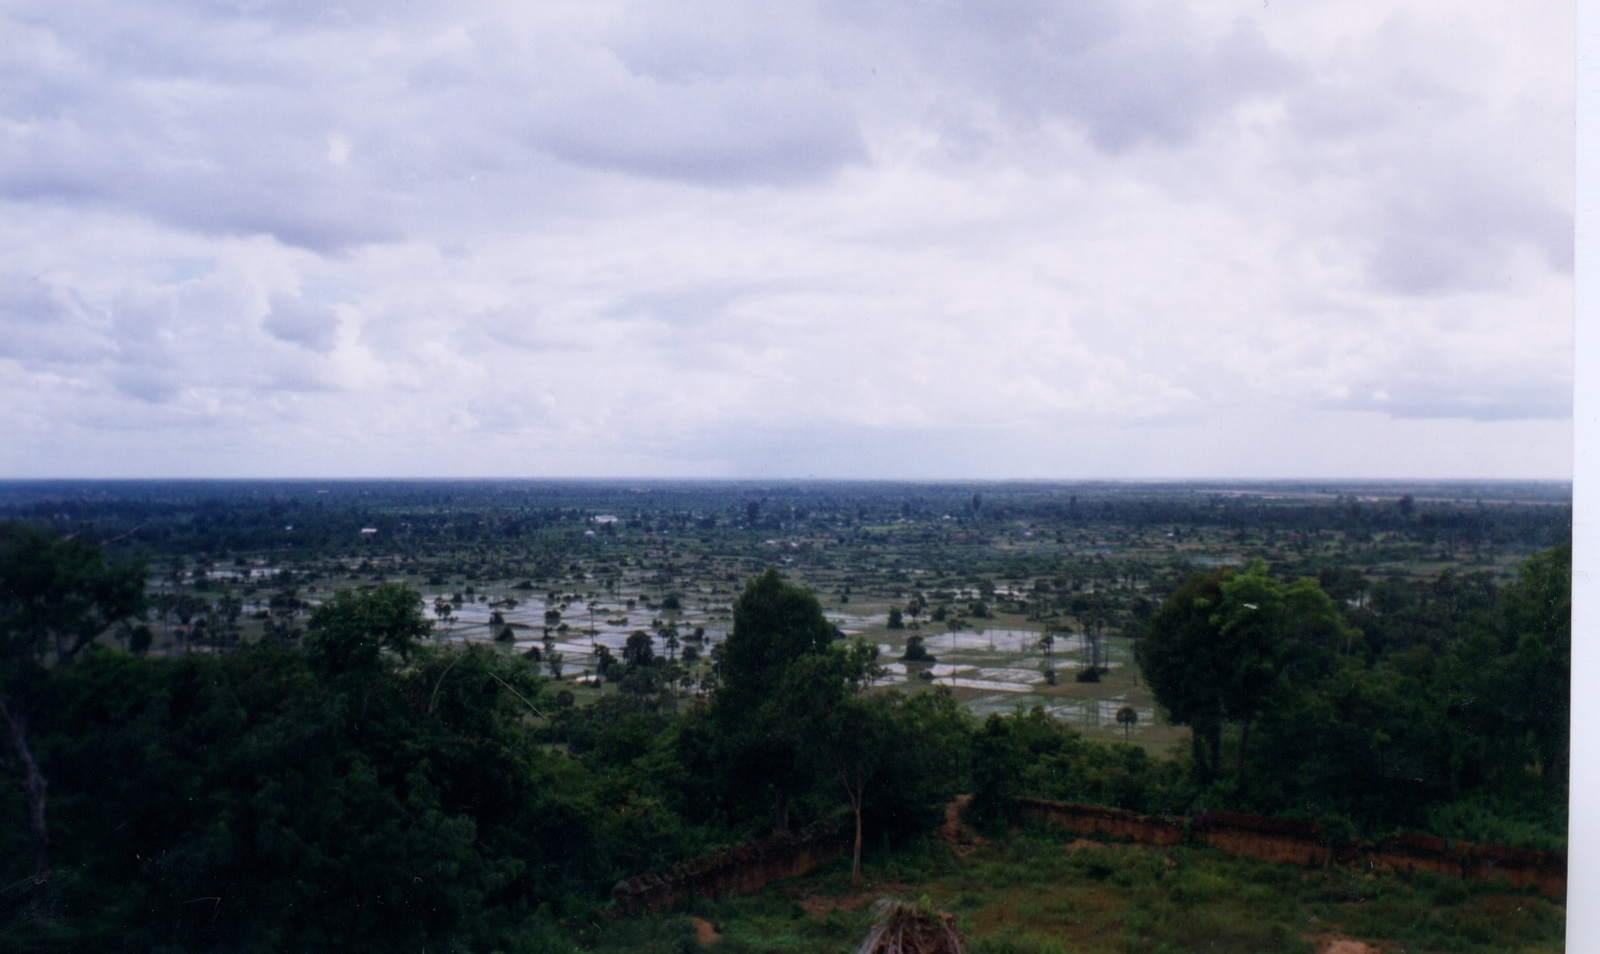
(995, 670)
(992, 670)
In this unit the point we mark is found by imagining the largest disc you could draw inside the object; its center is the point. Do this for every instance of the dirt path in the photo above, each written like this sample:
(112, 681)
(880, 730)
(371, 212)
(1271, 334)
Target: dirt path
(1346, 945)
(955, 831)
(705, 933)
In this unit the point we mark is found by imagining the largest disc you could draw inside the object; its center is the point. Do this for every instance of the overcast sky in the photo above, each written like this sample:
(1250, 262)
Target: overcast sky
(843, 238)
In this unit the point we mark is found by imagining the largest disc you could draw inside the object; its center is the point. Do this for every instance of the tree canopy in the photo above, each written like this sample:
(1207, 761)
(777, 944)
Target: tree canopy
(351, 631)
(776, 625)
(56, 595)
(1224, 642)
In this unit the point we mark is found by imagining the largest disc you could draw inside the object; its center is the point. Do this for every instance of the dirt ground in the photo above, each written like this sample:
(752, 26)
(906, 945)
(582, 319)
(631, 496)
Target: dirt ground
(705, 933)
(1346, 945)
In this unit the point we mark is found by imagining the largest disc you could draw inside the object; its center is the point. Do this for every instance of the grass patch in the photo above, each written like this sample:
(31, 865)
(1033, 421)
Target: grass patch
(1032, 894)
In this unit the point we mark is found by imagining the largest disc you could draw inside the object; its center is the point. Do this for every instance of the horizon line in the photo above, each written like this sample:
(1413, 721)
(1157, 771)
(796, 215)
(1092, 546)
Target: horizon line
(1568, 481)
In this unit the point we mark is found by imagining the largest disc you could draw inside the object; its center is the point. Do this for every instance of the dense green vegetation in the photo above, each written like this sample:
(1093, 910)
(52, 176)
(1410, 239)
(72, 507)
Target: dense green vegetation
(1461, 729)
(286, 752)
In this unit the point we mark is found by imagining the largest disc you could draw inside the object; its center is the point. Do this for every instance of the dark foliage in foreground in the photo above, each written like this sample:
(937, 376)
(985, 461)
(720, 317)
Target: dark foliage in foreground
(365, 790)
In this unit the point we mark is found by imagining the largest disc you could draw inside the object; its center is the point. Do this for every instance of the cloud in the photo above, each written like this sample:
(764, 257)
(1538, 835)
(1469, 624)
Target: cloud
(310, 325)
(634, 238)
(151, 385)
(738, 132)
(42, 325)
(1445, 176)
(1447, 219)
(1435, 384)
(1124, 74)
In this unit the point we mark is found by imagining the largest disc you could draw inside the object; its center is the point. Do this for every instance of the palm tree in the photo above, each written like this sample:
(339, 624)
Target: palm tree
(1128, 716)
(443, 609)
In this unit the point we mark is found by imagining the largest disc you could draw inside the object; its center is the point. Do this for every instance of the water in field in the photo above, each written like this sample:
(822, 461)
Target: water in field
(1092, 713)
(1025, 676)
(1003, 665)
(997, 641)
(855, 624)
(961, 682)
(611, 623)
(228, 572)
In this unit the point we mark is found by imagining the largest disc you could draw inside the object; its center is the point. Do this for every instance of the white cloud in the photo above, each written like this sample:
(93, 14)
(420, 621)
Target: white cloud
(311, 325)
(961, 238)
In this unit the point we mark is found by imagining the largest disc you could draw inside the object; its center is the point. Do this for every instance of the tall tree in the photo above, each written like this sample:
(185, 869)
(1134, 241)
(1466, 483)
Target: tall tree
(1222, 643)
(639, 649)
(845, 735)
(1535, 630)
(858, 736)
(1187, 667)
(775, 624)
(56, 596)
(1270, 631)
(1494, 695)
(894, 757)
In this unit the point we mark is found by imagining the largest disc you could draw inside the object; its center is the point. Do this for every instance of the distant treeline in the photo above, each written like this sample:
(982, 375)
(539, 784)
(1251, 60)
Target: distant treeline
(217, 517)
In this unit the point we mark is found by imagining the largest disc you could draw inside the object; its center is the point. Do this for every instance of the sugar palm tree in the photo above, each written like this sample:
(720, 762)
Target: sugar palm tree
(1128, 716)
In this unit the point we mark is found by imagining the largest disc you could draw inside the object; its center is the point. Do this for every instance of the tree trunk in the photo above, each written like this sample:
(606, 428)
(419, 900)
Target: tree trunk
(1207, 739)
(780, 812)
(855, 863)
(1244, 743)
(1554, 758)
(34, 786)
(1197, 748)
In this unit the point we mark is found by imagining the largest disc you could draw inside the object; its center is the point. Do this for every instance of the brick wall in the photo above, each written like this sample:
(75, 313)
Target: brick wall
(742, 869)
(748, 868)
(1292, 841)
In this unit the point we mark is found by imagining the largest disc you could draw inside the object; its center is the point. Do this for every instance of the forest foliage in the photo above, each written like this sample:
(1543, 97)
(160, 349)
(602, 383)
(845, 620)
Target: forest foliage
(363, 786)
